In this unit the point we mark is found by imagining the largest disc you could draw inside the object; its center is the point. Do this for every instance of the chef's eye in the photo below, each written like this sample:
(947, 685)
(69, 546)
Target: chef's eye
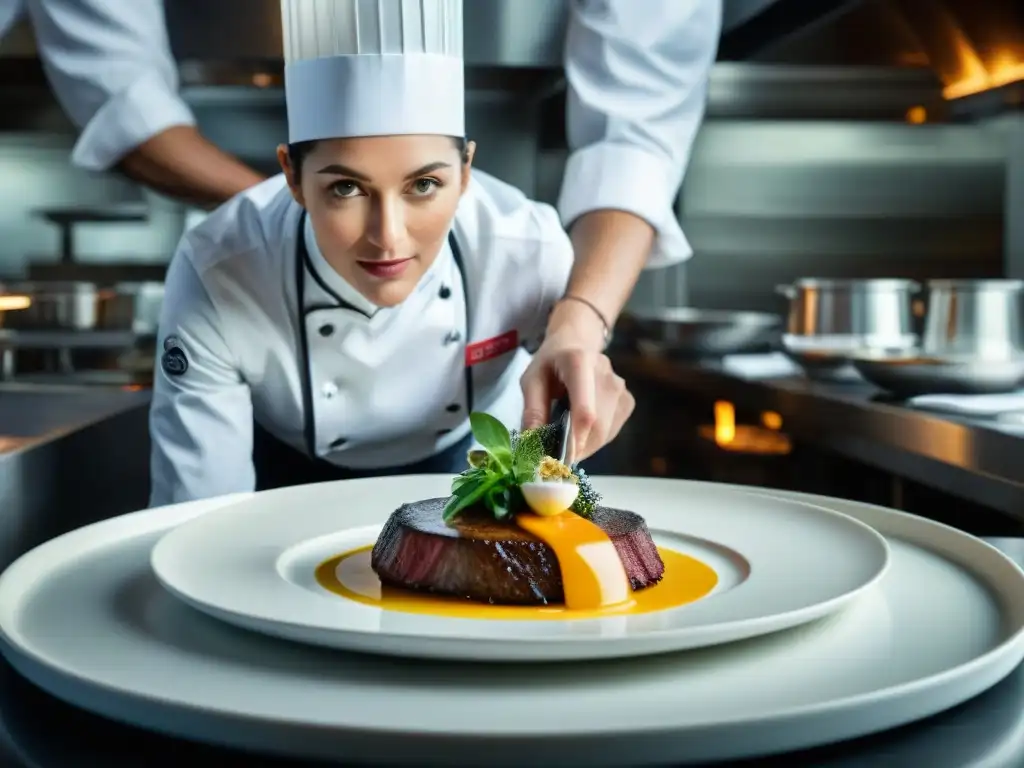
(425, 187)
(345, 189)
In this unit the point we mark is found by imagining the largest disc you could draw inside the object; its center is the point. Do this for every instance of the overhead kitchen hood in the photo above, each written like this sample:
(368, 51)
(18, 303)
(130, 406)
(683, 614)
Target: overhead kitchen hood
(975, 48)
(972, 50)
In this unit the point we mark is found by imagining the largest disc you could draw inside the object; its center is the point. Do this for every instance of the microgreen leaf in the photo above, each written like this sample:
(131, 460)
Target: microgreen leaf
(527, 452)
(463, 479)
(498, 501)
(494, 438)
(468, 494)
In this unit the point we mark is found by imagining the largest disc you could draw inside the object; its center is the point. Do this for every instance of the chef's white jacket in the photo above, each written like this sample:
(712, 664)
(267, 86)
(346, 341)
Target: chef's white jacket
(386, 386)
(110, 66)
(637, 72)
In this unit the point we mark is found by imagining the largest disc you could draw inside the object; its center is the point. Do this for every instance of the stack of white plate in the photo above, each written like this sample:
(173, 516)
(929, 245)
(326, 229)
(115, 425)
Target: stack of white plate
(830, 620)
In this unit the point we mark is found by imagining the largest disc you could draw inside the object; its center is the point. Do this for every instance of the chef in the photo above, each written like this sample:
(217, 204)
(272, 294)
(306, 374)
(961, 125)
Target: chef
(110, 66)
(344, 318)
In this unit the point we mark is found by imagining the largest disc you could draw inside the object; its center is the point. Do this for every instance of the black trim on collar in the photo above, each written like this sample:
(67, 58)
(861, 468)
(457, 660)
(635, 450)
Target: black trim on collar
(303, 264)
(311, 268)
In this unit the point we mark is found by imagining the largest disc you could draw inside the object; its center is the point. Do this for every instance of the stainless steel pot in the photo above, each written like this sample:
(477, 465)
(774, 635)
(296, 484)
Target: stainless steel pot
(830, 320)
(137, 305)
(978, 319)
(70, 306)
(81, 306)
(850, 313)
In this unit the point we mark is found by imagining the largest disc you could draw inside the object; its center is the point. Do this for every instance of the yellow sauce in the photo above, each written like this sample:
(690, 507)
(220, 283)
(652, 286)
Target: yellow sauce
(686, 580)
(593, 576)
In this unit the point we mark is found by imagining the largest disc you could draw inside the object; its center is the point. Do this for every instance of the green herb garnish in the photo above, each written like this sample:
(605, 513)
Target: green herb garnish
(493, 473)
(506, 461)
(587, 498)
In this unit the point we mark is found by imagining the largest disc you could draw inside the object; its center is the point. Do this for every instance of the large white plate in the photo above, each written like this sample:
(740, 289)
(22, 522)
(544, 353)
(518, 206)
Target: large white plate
(780, 563)
(83, 617)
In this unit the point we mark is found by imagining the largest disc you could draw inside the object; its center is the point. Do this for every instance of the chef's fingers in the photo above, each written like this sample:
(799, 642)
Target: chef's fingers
(537, 395)
(624, 409)
(579, 372)
(614, 406)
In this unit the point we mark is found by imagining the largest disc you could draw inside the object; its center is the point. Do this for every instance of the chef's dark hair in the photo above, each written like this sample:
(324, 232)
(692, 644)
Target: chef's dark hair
(298, 152)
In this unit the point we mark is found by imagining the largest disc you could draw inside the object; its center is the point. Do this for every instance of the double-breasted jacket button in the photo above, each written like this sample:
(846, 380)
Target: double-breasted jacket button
(453, 408)
(445, 292)
(329, 390)
(326, 330)
(452, 337)
(336, 444)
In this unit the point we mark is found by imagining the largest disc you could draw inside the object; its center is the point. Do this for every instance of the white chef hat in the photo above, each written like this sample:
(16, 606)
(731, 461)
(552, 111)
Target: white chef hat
(373, 68)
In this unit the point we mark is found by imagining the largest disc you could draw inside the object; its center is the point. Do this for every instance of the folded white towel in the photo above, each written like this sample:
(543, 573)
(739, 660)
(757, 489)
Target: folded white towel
(971, 405)
(764, 366)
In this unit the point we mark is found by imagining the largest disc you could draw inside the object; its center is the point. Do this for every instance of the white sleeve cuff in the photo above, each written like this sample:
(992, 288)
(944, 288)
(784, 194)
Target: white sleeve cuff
(138, 113)
(608, 176)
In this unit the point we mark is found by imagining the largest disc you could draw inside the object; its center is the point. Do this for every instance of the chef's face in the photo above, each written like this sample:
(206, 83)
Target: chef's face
(380, 206)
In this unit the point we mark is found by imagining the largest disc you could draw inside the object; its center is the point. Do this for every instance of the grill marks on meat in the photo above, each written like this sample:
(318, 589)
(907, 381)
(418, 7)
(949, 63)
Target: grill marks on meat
(482, 559)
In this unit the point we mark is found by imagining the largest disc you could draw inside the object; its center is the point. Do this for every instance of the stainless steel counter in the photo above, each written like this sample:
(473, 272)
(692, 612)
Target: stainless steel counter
(965, 457)
(68, 456)
(32, 412)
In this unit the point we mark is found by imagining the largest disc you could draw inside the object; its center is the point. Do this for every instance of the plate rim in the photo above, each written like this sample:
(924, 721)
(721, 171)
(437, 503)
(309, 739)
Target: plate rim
(535, 645)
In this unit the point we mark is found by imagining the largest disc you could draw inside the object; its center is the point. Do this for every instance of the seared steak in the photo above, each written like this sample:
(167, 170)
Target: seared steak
(480, 558)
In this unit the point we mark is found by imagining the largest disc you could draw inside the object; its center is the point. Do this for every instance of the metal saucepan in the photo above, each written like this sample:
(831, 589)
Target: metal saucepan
(689, 332)
(971, 344)
(829, 320)
(980, 319)
(81, 306)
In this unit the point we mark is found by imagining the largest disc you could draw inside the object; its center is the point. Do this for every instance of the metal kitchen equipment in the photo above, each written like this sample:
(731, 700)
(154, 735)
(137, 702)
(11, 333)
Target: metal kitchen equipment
(82, 306)
(829, 320)
(67, 306)
(979, 319)
(71, 330)
(689, 332)
(911, 375)
(66, 219)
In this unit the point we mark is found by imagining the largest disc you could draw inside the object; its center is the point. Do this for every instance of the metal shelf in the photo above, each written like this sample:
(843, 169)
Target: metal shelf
(12, 339)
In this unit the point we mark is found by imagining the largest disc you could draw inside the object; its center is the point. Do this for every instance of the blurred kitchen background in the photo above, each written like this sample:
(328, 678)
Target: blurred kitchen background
(843, 139)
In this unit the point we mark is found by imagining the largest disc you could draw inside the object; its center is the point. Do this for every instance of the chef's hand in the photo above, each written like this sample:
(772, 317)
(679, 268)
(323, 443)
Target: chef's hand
(570, 362)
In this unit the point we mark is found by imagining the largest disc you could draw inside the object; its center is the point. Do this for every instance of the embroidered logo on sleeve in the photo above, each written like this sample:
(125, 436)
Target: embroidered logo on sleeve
(174, 361)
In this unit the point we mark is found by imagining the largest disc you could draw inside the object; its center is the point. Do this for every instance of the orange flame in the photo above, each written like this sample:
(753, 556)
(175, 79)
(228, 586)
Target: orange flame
(725, 422)
(13, 302)
(975, 75)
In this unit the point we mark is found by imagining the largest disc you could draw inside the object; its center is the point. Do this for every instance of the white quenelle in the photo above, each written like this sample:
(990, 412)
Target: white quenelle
(554, 489)
(550, 497)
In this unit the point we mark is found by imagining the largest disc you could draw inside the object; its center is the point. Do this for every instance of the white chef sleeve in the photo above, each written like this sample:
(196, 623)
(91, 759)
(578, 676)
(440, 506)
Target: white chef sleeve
(110, 65)
(637, 74)
(554, 263)
(200, 420)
